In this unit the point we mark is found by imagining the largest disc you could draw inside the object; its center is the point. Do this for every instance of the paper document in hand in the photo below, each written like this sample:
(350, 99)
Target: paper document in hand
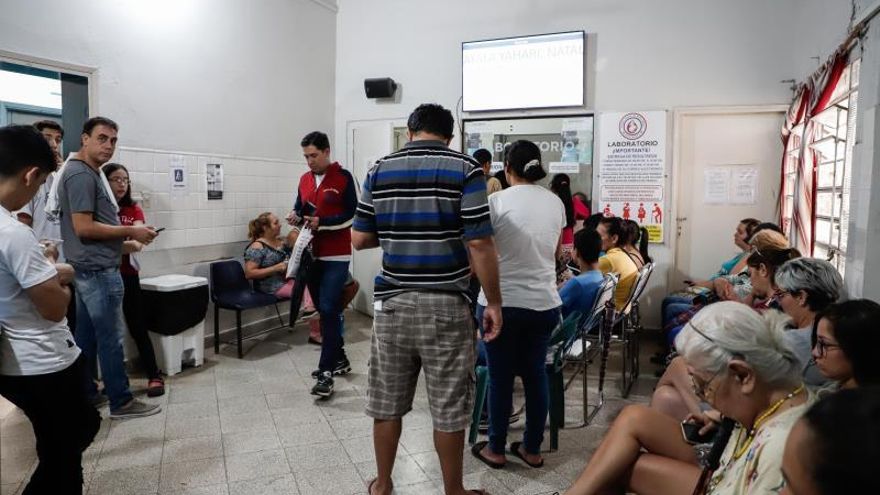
(302, 242)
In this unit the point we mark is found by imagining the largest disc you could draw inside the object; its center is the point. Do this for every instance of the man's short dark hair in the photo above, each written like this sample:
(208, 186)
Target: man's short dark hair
(588, 244)
(483, 156)
(433, 119)
(23, 146)
(49, 124)
(93, 122)
(317, 139)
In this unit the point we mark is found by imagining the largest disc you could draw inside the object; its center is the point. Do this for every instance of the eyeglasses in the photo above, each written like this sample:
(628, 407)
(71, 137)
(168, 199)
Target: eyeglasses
(779, 294)
(701, 388)
(823, 346)
(121, 180)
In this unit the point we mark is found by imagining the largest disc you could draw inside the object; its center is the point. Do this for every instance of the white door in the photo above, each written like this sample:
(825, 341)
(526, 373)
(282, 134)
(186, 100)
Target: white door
(719, 147)
(367, 142)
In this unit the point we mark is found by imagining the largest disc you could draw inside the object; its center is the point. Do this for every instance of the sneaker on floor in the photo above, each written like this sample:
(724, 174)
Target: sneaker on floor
(324, 387)
(343, 367)
(135, 409)
(156, 387)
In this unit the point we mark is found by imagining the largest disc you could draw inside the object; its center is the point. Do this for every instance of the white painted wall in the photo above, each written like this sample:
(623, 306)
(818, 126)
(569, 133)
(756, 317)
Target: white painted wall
(239, 82)
(210, 76)
(645, 54)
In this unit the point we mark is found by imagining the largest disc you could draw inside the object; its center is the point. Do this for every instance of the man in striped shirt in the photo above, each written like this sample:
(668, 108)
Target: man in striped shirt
(426, 207)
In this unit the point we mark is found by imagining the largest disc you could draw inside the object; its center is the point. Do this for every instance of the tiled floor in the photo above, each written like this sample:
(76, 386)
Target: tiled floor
(250, 427)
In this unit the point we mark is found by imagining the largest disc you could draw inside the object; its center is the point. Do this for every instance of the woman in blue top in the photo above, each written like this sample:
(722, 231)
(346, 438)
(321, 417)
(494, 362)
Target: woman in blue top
(675, 304)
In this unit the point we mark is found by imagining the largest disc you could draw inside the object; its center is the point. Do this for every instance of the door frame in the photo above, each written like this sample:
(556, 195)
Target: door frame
(678, 116)
(89, 72)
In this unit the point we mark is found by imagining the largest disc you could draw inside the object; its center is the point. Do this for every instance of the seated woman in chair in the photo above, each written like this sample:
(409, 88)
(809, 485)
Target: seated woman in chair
(741, 364)
(674, 394)
(614, 236)
(265, 263)
(265, 259)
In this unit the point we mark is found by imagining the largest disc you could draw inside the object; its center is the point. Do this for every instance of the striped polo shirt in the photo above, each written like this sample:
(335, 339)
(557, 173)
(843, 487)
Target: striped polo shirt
(423, 203)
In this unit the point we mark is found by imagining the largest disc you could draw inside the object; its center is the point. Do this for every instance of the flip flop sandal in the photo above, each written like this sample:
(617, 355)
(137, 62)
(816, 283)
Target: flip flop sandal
(476, 451)
(370, 486)
(514, 450)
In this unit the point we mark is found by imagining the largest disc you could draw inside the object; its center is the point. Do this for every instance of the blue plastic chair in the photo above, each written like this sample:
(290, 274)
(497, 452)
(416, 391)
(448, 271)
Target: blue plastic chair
(231, 290)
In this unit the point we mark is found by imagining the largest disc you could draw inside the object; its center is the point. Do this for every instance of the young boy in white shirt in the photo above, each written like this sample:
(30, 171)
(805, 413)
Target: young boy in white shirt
(41, 370)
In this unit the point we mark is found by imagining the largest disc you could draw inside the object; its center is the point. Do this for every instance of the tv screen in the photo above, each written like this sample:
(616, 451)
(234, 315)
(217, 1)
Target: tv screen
(540, 71)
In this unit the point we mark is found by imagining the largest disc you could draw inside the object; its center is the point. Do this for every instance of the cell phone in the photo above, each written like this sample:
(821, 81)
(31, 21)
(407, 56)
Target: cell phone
(691, 433)
(159, 229)
(308, 209)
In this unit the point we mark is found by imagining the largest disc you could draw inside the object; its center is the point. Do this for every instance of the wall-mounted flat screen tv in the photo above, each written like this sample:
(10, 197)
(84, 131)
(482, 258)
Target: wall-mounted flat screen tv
(542, 71)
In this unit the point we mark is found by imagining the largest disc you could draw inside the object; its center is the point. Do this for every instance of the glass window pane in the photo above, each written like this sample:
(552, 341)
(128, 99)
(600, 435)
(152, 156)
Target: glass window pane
(823, 231)
(855, 67)
(835, 234)
(820, 252)
(823, 203)
(826, 175)
(836, 209)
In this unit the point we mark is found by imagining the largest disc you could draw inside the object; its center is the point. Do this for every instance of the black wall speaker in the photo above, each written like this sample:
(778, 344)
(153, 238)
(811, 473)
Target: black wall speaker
(380, 87)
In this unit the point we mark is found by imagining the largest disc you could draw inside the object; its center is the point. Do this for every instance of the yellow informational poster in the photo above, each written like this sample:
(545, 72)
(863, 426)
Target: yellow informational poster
(632, 168)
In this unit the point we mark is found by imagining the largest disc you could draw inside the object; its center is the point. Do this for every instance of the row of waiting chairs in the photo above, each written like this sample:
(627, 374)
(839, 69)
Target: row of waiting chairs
(595, 331)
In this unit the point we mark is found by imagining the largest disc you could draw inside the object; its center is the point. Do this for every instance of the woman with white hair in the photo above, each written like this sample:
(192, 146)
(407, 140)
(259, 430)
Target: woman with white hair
(741, 364)
(803, 287)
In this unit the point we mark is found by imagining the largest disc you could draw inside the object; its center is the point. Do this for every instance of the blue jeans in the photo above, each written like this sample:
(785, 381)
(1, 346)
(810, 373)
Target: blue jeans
(521, 349)
(99, 330)
(326, 281)
(672, 306)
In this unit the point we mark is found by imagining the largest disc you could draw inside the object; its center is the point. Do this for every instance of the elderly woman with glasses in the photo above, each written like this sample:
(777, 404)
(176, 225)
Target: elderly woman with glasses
(804, 287)
(673, 394)
(741, 364)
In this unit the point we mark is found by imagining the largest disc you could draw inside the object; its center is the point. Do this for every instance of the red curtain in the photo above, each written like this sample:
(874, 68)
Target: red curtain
(812, 98)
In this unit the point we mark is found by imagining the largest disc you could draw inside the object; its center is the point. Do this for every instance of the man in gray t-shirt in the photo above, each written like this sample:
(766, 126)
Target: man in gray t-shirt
(93, 242)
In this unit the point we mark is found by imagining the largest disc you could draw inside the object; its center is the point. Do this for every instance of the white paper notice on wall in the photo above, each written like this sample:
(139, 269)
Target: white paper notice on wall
(214, 177)
(177, 176)
(496, 167)
(744, 186)
(716, 185)
(564, 167)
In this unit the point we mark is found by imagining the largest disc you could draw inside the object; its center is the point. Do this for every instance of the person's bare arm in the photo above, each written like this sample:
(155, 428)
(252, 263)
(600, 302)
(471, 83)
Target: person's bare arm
(129, 247)
(484, 259)
(252, 270)
(86, 227)
(364, 240)
(65, 273)
(50, 298)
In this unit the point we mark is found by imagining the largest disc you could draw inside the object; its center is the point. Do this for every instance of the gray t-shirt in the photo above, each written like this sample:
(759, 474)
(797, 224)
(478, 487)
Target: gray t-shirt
(800, 340)
(81, 191)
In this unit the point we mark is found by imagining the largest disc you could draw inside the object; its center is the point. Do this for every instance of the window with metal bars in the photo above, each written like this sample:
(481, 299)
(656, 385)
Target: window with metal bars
(833, 146)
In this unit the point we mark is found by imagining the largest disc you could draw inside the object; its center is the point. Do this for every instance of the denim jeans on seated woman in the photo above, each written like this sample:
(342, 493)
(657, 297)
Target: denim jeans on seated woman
(521, 349)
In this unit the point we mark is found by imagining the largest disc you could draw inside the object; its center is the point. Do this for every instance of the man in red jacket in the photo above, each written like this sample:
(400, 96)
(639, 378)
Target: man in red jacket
(326, 202)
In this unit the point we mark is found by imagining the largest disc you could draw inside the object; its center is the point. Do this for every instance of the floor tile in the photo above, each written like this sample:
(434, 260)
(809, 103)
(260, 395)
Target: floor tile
(256, 465)
(250, 441)
(129, 481)
(192, 449)
(305, 434)
(189, 474)
(345, 481)
(322, 455)
(188, 428)
(272, 485)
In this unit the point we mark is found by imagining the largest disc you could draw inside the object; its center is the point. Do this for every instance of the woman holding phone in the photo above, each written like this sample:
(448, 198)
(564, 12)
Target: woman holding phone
(132, 305)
